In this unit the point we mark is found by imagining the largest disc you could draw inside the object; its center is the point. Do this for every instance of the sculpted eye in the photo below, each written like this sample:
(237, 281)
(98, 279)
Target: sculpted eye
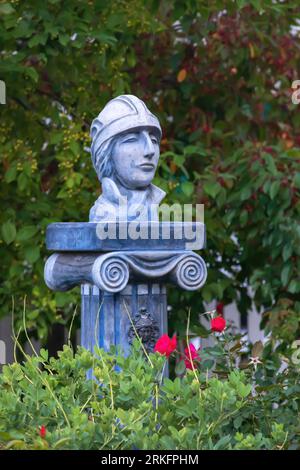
(154, 139)
(129, 139)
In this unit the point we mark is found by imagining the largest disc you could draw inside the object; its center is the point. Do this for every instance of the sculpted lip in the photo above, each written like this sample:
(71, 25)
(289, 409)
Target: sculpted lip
(147, 166)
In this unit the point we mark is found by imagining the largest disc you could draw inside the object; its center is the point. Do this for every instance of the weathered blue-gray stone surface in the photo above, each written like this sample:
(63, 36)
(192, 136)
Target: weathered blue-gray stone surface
(83, 236)
(125, 154)
(121, 264)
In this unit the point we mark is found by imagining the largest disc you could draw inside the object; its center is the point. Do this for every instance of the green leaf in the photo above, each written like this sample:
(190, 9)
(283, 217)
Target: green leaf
(287, 252)
(244, 390)
(266, 186)
(285, 274)
(243, 218)
(9, 232)
(223, 442)
(61, 299)
(44, 354)
(180, 368)
(6, 9)
(11, 173)
(5, 436)
(294, 286)
(216, 351)
(297, 180)
(187, 187)
(241, 3)
(245, 193)
(32, 253)
(74, 147)
(64, 39)
(38, 39)
(56, 137)
(25, 233)
(207, 364)
(270, 164)
(32, 73)
(70, 182)
(211, 188)
(274, 189)
(199, 330)
(22, 181)
(62, 194)
(167, 442)
(257, 4)
(104, 37)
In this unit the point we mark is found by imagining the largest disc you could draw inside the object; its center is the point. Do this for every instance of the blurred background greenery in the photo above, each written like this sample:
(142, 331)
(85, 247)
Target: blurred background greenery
(218, 74)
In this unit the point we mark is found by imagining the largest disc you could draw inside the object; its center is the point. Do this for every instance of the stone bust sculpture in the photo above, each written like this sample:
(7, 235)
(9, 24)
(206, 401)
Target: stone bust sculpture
(125, 153)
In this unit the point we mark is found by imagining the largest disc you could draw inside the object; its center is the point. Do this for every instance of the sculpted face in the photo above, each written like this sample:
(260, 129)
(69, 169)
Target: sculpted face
(135, 157)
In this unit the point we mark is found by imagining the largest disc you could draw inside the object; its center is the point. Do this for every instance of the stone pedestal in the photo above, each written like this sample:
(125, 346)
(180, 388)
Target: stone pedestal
(123, 282)
(112, 319)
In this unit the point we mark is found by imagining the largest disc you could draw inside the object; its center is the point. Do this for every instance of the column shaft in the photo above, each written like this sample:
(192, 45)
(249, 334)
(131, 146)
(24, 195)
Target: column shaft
(107, 319)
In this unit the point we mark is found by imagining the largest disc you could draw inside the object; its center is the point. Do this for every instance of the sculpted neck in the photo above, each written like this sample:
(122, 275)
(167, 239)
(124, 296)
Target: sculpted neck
(107, 205)
(130, 193)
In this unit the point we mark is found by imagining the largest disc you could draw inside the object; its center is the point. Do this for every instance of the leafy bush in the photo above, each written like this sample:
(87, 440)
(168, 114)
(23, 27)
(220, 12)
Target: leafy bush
(49, 404)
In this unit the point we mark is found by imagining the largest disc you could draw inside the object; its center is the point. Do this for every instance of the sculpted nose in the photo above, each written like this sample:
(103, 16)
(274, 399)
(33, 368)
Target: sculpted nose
(148, 146)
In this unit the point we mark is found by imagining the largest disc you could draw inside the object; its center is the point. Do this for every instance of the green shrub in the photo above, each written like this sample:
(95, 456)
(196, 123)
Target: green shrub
(130, 406)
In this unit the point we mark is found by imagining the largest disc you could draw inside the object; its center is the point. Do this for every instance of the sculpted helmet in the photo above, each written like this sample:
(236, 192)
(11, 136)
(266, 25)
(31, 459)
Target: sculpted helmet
(121, 114)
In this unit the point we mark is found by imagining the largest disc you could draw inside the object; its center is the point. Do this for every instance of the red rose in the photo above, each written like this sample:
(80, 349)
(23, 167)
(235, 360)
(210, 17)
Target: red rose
(191, 354)
(166, 345)
(220, 308)
(218, 324)
(43, 432)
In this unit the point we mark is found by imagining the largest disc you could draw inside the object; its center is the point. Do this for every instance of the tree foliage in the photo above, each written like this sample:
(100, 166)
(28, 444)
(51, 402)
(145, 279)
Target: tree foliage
(218, 74)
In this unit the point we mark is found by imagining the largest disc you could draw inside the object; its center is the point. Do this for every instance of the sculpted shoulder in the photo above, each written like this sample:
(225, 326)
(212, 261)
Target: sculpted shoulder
(111, 205)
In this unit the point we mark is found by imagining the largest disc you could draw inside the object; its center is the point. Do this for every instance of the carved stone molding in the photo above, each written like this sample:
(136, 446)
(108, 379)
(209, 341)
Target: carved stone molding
(111, 272)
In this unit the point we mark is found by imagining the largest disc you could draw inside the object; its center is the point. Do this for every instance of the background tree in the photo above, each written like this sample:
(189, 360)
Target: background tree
(218, 74)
